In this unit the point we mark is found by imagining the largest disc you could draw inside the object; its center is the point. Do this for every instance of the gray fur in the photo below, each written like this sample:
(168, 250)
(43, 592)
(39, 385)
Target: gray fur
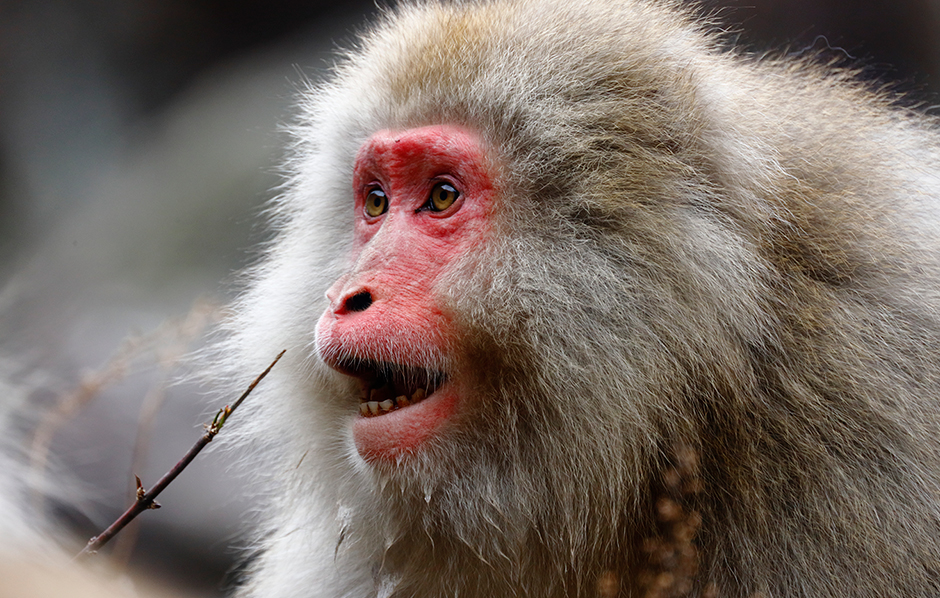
(698, 248)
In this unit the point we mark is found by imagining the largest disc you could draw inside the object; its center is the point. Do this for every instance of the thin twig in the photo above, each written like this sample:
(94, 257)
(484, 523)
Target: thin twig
(145, 499)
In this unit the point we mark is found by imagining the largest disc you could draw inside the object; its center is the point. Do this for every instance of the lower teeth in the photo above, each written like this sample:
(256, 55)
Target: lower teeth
(372, 408)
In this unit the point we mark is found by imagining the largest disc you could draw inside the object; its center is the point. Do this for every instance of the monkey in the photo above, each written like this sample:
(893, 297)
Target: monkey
(568, 288)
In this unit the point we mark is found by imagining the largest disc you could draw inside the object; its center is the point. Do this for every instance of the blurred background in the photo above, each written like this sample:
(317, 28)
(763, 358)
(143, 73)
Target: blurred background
(139, 141)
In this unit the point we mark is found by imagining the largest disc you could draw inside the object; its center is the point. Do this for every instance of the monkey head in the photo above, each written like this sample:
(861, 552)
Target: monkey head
(489, 280)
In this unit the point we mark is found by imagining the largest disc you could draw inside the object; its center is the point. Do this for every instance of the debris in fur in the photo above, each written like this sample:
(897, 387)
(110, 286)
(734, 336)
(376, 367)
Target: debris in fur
(672, 556)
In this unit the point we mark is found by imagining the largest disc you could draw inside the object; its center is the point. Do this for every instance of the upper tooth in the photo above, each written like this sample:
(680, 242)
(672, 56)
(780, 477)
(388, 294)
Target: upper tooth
(386, 405)
(381, 394)
(373, 407)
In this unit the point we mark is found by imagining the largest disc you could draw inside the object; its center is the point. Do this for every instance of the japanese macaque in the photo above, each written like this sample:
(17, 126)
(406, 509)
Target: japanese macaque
(577, 301)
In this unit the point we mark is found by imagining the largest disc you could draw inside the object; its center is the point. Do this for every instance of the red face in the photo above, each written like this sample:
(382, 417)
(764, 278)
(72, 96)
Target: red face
(423, 198)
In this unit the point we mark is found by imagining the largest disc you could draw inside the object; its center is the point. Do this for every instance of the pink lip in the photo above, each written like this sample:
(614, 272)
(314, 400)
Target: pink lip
(402, 431)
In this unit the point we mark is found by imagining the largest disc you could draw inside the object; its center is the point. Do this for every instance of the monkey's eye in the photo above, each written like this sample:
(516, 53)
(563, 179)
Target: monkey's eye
(442, 197)
(376, 203)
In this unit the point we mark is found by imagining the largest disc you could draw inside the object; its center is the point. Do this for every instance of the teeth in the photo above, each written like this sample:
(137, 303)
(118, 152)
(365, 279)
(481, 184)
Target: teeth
(380, 400)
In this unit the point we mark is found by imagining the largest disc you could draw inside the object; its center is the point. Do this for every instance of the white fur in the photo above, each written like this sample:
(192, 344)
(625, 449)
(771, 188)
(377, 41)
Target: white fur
(336, 526)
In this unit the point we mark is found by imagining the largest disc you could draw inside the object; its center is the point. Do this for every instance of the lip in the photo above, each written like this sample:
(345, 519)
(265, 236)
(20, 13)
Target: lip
(402, 431)
(401, 406)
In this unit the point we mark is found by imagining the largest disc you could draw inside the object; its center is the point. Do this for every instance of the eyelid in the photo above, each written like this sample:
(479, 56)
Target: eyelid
(366, 188)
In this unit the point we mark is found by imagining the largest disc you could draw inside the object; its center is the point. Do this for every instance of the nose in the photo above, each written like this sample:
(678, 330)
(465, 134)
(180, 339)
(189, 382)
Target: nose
(356, 301)
(347, 296)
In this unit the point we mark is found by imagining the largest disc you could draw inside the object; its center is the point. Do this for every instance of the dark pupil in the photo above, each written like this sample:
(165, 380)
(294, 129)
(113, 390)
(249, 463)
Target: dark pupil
(444, 193)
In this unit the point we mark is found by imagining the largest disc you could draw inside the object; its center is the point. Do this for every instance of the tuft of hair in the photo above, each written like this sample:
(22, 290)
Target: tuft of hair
(697, 248)
(23, 525)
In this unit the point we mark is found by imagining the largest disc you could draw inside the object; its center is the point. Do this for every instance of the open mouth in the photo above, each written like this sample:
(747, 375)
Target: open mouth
(387, 387)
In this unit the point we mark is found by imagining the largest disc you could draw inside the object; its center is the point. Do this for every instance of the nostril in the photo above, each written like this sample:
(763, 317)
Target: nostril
(358, 302)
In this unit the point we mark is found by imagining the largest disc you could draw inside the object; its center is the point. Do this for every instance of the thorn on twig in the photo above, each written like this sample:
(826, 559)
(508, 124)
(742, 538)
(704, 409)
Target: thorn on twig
(142, 495)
